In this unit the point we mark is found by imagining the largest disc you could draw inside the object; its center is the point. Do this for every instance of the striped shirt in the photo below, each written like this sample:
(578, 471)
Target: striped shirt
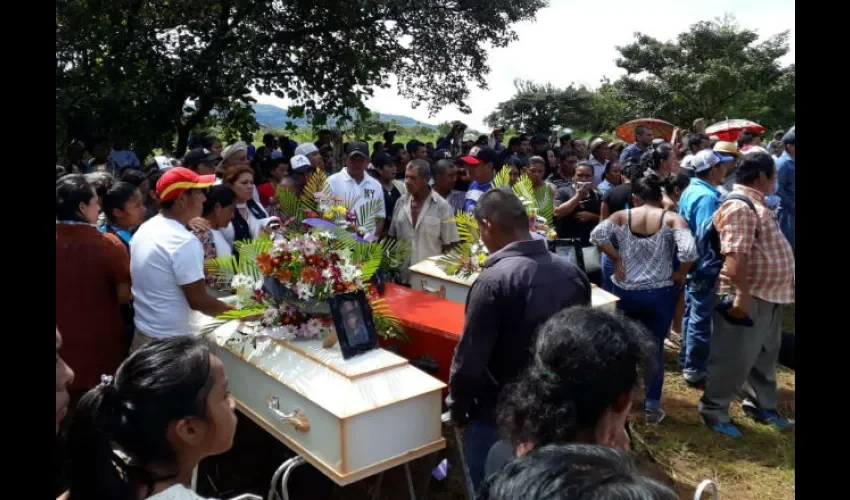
(769, 256)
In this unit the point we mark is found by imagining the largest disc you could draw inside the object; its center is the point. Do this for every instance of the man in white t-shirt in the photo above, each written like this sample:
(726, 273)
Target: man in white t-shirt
(352, 183)
(167, 261)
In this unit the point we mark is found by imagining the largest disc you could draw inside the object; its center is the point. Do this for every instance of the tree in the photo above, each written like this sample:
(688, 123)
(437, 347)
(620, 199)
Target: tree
(713, 70)
(145, 72)
(539, 108)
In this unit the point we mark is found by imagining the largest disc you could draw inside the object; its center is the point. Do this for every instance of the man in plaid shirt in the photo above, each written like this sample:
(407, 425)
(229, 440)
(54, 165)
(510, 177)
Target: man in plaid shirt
(756, 280)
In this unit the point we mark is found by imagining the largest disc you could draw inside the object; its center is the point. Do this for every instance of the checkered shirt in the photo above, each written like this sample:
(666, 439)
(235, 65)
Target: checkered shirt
(769, 256)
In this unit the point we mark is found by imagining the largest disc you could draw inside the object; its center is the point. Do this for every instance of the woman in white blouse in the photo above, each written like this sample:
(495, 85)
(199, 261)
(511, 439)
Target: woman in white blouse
(217, 213)
(642, 242)
(249, 218)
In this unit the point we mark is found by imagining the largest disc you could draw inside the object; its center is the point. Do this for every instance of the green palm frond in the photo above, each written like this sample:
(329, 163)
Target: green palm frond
(386, 323)
(450, 263)
(502, 179)
(369, 255)
(367, 214)
(395, 253)
(316, 183)
(523, 188)
(467, 228)
(225, 268)
(545, 203)
(290, 204)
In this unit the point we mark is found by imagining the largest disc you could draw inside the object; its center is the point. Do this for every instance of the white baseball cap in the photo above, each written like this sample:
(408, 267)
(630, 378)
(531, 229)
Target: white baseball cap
(306, 149)
(300, 163)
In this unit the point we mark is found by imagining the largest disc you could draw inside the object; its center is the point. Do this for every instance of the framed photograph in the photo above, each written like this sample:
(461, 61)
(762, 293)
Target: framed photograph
(569, 248)
(355, 328)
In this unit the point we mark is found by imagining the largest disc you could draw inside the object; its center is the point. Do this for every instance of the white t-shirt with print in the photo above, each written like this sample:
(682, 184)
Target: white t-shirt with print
(345, 187)
(164, 256)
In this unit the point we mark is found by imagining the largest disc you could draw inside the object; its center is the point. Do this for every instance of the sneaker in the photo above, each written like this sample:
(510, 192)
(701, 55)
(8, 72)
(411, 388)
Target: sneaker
(727, 429)
(695, 381)
(767, 417)
(654, 417)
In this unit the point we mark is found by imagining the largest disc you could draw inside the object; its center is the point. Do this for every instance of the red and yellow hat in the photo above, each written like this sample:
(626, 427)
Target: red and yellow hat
(178, 180)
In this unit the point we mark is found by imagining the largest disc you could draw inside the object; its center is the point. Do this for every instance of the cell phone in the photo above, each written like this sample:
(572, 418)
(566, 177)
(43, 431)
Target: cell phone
(582, 185)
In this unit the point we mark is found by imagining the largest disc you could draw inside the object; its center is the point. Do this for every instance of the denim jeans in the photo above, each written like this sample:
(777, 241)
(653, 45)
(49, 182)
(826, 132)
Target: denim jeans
(786, 224)
(479, 436)
(607, 268)
(654, 308)
(700, 300)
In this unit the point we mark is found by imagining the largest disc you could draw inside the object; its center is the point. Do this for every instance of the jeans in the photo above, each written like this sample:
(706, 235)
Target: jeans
(607, 268)
(654, 308)
(786, 224)
(700, 300)
(479, 436)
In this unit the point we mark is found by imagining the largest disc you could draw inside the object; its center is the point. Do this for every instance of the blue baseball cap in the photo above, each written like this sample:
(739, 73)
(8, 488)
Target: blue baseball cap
(723, 158)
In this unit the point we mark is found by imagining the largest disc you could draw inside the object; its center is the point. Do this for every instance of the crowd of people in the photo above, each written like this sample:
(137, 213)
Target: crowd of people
(695, 239)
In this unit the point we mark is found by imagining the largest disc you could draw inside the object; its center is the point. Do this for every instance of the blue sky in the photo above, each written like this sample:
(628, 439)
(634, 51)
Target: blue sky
(574, 42)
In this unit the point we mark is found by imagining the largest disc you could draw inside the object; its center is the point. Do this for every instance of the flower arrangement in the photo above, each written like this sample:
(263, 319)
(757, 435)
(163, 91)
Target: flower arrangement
(467, 259)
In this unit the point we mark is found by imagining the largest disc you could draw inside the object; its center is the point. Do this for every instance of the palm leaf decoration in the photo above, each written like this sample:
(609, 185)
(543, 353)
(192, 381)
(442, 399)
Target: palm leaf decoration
(368, 212)
(225, 268)
(369, 255)
(386, 323)
(290, 204)
(450, 263)
(502, 179)
(467, 228)
(316, 183)
(395, 253)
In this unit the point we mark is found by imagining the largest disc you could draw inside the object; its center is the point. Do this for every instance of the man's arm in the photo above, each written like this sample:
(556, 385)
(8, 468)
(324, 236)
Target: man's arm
(472, 355)
(737, 226)
(786, 188)
(199, 300)
(566, 204)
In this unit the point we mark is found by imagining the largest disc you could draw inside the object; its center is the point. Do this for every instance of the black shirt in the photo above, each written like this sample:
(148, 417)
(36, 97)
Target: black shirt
(558, 180)
(570, 226)
(618, 197)
(390, 197)
(520, 288)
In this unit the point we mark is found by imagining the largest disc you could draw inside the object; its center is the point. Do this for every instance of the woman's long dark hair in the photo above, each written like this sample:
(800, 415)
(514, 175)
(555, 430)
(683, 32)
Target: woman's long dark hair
(582, 361)
(117, 197)
(164, 381)
(71, 190)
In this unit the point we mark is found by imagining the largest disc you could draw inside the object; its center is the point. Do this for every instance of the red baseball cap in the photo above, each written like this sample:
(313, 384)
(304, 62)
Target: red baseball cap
(178, 180)
(480, 154)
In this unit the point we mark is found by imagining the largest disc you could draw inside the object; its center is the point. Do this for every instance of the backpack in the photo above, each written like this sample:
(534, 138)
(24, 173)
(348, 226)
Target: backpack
(707, 239)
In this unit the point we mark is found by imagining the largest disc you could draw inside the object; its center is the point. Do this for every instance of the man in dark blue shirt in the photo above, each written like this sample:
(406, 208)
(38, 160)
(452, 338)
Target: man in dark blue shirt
(643, 139)
(522, 285)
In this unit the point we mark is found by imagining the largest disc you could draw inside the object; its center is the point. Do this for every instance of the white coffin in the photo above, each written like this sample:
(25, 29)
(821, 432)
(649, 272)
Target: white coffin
(365, 415)
(428, 277)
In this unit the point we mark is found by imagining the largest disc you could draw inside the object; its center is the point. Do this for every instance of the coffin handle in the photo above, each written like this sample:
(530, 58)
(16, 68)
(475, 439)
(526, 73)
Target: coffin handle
(297, 418)
(439, 292)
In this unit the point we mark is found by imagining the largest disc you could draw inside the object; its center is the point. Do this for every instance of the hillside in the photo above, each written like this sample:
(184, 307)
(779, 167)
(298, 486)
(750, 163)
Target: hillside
(272, 116)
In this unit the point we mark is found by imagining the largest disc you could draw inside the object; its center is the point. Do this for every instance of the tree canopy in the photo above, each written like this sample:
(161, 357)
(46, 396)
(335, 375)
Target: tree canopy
(145, 72)
(714, 70)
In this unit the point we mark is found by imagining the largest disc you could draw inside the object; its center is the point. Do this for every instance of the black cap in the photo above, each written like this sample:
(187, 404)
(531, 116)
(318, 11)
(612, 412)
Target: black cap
(381, 160)
(539, 139)
(441, 154)
(200, 155)
(483, 154)
(357, 147)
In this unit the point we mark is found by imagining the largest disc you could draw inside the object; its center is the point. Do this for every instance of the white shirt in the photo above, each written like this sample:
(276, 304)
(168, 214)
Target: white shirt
(345, 187)
(255, 225)
(434, 228)
(164, 256)
(598, 170)
(222, 246)
(125, 158)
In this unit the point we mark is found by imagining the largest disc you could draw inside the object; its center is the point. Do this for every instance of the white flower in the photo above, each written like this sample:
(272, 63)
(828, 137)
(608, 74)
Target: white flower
(304, 291)
(326, 235)
(327, 274)
(242, 282)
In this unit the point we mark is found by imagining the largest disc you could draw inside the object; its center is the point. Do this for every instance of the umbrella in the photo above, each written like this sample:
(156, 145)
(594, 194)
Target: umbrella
(660, 128)
(729, 130)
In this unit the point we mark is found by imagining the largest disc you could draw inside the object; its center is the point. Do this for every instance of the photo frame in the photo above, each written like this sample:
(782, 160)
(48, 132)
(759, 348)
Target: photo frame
(569, 248)
(355, 327)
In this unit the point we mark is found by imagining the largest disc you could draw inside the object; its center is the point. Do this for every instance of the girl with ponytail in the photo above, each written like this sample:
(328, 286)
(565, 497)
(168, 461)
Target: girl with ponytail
(140, 434)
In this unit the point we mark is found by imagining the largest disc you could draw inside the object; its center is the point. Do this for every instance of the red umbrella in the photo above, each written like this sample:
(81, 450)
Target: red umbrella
(729, 130)
(660, 128)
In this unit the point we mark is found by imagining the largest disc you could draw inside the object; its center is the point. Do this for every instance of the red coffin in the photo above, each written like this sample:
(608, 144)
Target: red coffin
(433, 325)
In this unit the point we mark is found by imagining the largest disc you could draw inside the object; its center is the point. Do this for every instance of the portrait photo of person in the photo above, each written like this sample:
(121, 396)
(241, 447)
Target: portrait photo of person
(355, 328)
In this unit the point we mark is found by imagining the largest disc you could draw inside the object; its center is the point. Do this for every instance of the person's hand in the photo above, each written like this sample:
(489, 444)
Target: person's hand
(619, 270)
(740, 306)
(199, 224)
(587, 217)
(271, 225)
(679, 279)
(583, 191)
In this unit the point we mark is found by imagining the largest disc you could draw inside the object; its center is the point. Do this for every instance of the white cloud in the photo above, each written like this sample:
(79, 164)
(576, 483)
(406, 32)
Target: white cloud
(575, 42)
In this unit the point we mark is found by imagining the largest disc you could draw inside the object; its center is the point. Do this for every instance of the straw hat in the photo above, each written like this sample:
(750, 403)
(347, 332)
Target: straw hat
(727, 148)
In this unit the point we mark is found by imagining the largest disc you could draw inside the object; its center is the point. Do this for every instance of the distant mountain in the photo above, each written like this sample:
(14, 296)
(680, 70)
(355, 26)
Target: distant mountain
(268, 115)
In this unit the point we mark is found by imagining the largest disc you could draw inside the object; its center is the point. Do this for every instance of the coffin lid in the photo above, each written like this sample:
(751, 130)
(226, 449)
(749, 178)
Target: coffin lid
(344, 388)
